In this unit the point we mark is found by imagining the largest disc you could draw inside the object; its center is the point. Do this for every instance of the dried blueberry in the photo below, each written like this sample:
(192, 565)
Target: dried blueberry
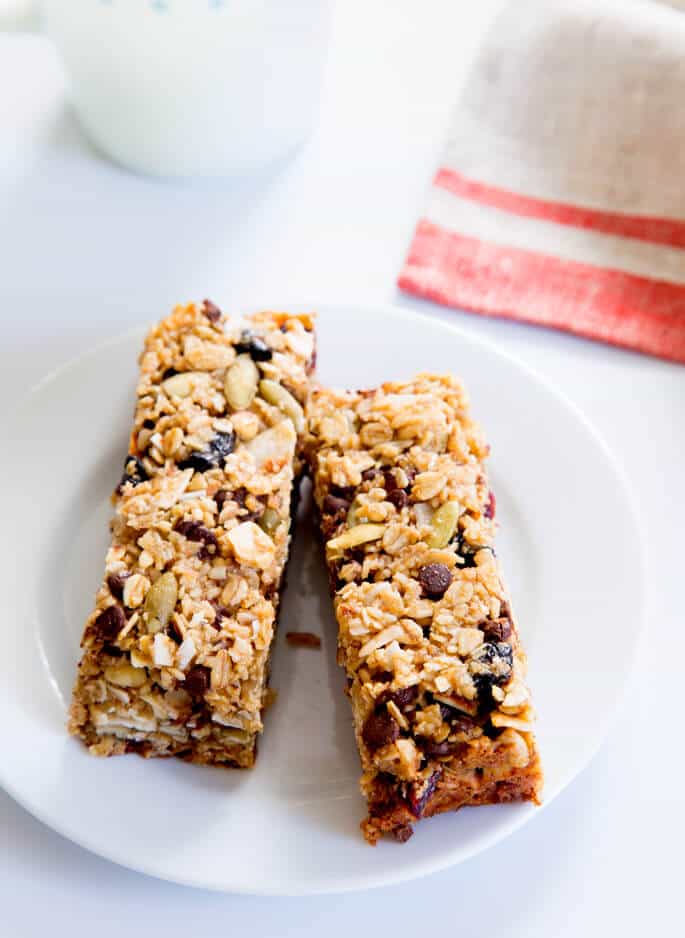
(380, 729)
(134, 473)
(419, 793)
(490, 663)
(435, 579)
(490, 505)
(221, 446)
(254, 346)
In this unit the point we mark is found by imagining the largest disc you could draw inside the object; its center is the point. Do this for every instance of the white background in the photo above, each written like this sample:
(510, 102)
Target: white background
(87, 250)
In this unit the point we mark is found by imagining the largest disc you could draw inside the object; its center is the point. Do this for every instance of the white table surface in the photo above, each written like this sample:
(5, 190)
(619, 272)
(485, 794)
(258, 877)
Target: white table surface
(87, 250)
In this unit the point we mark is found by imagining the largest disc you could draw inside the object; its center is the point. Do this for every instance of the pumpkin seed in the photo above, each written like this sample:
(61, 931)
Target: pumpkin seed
(160, 602)
(270, 521)
(240, 383)
(444, 524)
(360, 534)
(274, 393)
(352, 515)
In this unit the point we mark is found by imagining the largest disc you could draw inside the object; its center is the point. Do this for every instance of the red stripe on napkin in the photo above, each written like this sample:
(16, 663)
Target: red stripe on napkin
(668, 231)
(613, 306)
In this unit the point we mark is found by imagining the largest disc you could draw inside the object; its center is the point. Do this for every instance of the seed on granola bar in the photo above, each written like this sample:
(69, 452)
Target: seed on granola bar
(444, 524)
(110, 622)
(274, 393)
(219, 448)
(361, 534)
(134, 473)
(115, 582)
(211, 311)
(160, 602)
(435, 579)
(254, 346)
(197, 681)
(269, 521)
(240, 383)
(380, 729)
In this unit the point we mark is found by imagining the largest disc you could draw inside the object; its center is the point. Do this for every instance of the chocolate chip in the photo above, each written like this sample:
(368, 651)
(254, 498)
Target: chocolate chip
(220, 497)
(490, 506)
(435, 578)
(115, 582)
(254, 346)
(333, 505)
(497, 630)
(399, 498)
(110, 622)
(419, 793)
(134, 473)
(169, 373)
(197, 681)
(112, 650)
(380, 729)
(220, 446)
(211, 311)
(149, 424)
(432, 750)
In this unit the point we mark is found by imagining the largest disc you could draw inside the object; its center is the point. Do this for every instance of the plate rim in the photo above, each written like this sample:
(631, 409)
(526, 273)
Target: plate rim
(527, 812)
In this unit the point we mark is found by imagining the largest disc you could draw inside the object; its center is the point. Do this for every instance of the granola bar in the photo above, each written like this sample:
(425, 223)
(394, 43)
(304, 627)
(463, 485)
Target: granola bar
(176, 651)
(426, 634)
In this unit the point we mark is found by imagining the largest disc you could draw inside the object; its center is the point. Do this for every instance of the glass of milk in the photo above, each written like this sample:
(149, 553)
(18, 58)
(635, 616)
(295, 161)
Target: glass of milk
(192, 87)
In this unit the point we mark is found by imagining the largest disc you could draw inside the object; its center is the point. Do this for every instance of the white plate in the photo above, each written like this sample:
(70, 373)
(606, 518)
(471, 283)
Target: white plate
(570, 552)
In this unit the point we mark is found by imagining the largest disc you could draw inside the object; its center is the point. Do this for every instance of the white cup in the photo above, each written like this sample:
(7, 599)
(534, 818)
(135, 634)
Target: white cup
(192, 87)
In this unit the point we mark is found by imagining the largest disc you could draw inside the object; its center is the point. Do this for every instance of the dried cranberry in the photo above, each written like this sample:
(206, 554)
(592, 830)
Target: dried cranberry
(435, 579)
(211, 311)
(115, 582)
(389, 480)
(419, 793)
(110, 622)
(221, 446)
(254, 346)
(433, 750)
(134, 473)
(490, 505)
(197, 681)
(380, 729)
(368, 474)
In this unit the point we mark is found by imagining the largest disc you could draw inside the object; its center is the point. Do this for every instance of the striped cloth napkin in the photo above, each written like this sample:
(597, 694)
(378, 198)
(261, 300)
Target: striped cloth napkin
(561, 196)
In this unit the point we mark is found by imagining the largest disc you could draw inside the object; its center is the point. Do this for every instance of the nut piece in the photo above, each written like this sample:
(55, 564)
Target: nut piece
(240, 384)
(273, 448)
(125, 675)
(276, 394)
(444, 524)
(160, 602)
(182, 384)
(135, 590)
(361, 534)
(251, 545)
